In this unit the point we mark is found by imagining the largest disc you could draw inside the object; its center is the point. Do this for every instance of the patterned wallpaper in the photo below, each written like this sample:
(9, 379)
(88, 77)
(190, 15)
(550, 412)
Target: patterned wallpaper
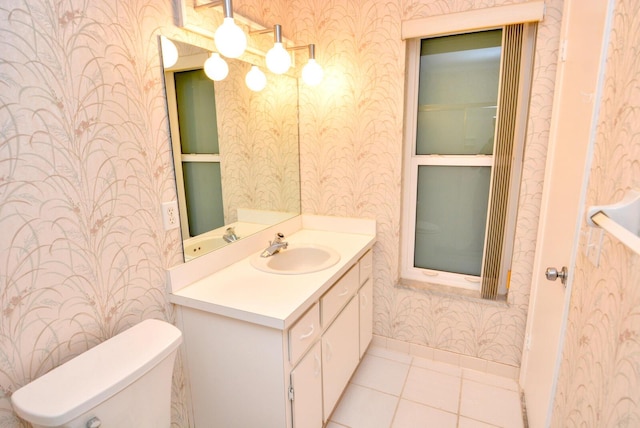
(599, 383)
(351, 149)
(85, 164)
(259, 160)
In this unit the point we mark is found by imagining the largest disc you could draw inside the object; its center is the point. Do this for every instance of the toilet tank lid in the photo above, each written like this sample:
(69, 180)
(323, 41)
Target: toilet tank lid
(87, 380)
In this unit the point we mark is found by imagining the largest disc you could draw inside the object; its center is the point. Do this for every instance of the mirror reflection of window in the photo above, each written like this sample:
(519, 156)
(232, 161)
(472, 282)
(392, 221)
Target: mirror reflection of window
(195, 97)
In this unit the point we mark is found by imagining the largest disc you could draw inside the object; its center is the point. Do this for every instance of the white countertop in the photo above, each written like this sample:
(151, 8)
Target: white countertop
(243, 292)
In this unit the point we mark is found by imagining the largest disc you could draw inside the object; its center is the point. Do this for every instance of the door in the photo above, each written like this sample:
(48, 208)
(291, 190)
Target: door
(573, 119)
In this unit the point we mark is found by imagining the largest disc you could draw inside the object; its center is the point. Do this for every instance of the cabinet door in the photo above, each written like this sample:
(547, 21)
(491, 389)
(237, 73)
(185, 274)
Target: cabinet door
(306, 383)
(366, 315)
(366, 267)
(340, 355)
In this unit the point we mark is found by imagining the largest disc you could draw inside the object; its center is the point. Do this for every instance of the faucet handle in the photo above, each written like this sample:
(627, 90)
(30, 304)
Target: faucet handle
(279, 237)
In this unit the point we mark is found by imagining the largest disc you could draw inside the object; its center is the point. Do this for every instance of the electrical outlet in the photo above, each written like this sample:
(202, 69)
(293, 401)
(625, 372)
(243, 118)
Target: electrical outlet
(170, 215)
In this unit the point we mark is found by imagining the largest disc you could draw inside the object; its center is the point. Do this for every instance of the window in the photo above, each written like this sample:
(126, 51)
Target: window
(467, 98)
(191, 104)
(200, 152)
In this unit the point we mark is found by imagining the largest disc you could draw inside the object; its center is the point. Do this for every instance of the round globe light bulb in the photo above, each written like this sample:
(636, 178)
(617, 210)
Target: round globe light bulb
(255, 79)
(230, 40)
(169, 52)
(312, 73)
(278, 59)
(215, 67)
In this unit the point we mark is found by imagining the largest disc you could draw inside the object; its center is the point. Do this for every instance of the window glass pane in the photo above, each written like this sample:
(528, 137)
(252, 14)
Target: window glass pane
(458, 93)
(203, 192)
(196, 112)
(451, 216)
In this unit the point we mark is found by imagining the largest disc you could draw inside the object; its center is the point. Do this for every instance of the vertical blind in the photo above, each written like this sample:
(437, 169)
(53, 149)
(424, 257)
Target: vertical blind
(503, 153)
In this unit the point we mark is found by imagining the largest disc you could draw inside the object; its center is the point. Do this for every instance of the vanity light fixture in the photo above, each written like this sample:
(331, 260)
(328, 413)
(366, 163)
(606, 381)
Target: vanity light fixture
(215, 67)
(169, 52)
(255, 79)
(229, 38)
(312, 72)
(278, 59)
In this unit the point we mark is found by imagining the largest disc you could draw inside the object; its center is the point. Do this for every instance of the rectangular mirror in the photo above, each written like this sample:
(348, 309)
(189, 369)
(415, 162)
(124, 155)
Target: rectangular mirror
(235, 151)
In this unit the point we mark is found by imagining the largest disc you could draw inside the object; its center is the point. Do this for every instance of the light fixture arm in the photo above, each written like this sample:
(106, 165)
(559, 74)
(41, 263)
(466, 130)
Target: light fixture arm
(227, 9)
(312, 72)
(277, 33)
(267, 30)
(311, 47)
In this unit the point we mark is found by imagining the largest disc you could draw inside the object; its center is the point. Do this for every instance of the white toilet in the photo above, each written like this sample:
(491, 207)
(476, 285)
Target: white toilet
(123, 382)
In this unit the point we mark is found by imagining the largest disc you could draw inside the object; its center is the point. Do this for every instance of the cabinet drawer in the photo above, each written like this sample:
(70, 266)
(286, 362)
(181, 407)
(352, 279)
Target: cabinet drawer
(303, 333)
(366, 267)
(339, 295)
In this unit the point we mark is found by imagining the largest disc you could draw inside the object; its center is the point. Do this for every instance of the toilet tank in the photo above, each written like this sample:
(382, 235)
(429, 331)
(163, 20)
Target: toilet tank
(123, 382)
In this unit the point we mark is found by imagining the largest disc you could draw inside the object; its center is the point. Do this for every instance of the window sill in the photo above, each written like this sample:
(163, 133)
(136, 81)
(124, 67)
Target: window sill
(450, 292)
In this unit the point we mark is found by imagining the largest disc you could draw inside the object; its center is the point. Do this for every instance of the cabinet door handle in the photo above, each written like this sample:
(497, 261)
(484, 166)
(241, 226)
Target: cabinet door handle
(316, 370)
(329, 353)
(306, 335)
(345, 292)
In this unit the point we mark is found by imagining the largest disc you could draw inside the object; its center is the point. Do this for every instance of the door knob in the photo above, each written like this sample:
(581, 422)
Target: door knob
(552, 274)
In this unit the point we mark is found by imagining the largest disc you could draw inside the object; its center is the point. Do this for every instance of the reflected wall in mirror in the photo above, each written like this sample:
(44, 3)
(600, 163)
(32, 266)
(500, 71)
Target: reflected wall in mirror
(235, 151)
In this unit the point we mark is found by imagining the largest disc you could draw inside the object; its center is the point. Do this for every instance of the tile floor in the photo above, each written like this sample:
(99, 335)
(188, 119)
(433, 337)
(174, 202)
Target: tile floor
(395, 390)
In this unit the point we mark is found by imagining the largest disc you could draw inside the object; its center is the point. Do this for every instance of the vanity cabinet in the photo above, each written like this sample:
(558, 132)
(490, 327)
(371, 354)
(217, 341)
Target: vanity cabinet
(244, 374)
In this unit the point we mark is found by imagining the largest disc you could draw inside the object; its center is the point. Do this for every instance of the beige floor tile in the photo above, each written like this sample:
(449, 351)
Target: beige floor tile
(491, 404)
(432, 388)
(390, 354)
(381, 374)
(472, 423)
(413, 415)
(362, 407)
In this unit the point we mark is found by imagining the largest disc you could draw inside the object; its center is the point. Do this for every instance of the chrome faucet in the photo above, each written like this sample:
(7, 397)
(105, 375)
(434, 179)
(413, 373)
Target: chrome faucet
(275, 246)
(230, 235)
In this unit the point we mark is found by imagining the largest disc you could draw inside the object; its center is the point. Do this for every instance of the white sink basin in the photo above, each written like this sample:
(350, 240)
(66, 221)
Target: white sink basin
(297, 259)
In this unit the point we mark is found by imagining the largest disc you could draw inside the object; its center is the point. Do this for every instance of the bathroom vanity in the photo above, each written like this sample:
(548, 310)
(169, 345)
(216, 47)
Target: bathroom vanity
(269, 349)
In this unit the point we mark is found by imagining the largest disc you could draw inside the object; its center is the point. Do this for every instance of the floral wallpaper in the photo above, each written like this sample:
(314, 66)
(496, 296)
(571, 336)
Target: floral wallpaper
(599, 383)
(259, 160)
(85, 163)
(351, 156)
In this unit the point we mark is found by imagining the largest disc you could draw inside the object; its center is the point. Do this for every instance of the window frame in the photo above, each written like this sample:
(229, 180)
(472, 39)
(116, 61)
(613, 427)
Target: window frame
(443, 25)
(188, 63)
(412, 162)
